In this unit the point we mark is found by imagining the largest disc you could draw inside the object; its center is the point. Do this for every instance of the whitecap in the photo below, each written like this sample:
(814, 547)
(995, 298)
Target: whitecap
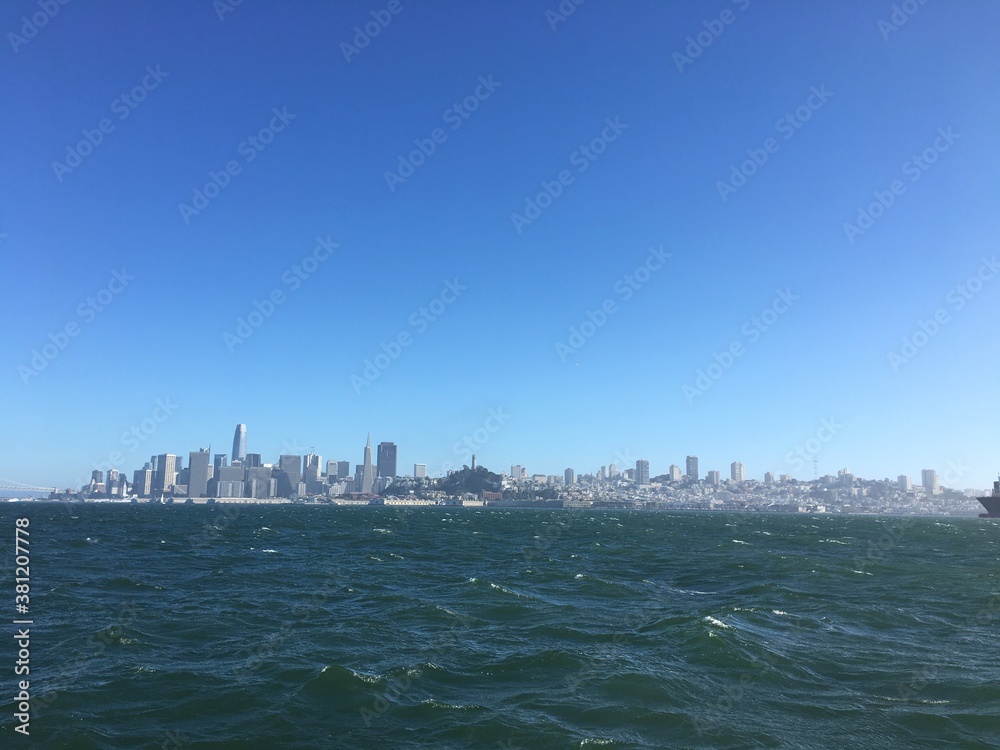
(739, 541)
(713, 621)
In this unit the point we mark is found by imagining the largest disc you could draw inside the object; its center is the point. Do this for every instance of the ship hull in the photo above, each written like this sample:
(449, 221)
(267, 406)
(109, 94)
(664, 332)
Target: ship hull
(992, 505)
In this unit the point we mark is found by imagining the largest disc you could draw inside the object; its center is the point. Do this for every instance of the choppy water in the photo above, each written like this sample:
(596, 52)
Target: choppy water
(296, 627)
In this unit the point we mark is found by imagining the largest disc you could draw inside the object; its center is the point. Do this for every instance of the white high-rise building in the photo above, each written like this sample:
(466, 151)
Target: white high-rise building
(737, 472)
(419, 471)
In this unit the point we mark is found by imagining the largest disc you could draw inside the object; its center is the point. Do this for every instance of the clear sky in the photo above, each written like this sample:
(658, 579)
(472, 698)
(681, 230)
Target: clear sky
(636, 136)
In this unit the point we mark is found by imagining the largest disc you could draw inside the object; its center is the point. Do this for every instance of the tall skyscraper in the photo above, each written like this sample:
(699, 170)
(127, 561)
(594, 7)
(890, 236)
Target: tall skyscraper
(929, 479)
(569, 477)
(692, 467)
(768, 477)
(368, 469)
(220, 460)
(198, 473)
(419, 471)
(331, 471)
(737, 472)
(904, 483)
(253, 461)
(142, 482)
(387, 460)
(343, 469)
(713, 477)
(166, 472)
(289, 475)
(674, 473)
(642, 472)
(240, 443)
(311, 468)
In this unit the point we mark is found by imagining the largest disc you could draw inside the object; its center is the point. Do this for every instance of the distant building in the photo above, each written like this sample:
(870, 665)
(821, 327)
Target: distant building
(368, 469)
(713, 477)
(165, 476)
(929, 479)
(289, 475)
(692, 467)
(253, 460)
(198, 473)
(221, 459)
(142, 482)
(343, 469)
(612, 471)
(516, 472)
(386, 460)
(737, 472)
(569, 477)
(258, 483)
(240, 443)
(904, 483)
(768, 477)
(419, 471)
(642, 472)
(674, 473)
(311, 470)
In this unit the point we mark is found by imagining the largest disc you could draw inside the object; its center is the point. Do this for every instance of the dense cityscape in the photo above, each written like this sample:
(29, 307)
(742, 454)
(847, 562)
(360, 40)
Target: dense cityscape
(243, 477)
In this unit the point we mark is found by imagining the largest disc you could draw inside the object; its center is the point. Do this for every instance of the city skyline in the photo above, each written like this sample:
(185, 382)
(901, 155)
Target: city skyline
(752, 228)
(306, 466)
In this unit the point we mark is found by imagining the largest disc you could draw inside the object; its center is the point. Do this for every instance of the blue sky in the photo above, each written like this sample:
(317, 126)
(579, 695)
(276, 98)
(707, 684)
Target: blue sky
(686, 115)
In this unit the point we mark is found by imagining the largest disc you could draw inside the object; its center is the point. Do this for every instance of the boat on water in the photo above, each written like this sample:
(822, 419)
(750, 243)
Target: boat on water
(991, 502)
